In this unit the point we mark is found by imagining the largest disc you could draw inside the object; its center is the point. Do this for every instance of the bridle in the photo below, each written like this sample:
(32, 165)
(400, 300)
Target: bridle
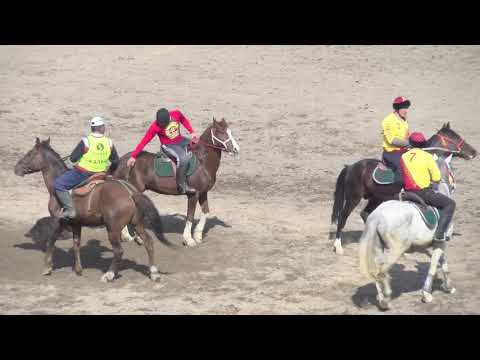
(214, 138)
(445, 141)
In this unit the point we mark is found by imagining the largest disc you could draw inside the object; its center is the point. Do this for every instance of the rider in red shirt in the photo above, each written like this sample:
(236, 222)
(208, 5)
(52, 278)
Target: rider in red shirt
(167, 127)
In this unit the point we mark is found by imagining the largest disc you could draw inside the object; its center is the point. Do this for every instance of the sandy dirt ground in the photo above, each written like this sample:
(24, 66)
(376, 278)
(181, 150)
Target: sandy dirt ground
(299, 114)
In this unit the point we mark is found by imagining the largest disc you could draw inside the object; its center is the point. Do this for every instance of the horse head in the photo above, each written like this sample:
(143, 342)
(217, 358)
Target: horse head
(222, 136)
(33, 160)
(450, 140)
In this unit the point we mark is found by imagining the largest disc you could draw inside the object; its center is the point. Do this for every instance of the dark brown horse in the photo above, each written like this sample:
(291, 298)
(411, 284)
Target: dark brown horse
(355, 181)
(217, 138)
(112, 203)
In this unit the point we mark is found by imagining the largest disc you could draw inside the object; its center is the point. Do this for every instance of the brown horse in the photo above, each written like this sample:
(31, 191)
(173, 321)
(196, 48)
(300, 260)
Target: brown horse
(355, 181)
(112, 203)
(214, 140)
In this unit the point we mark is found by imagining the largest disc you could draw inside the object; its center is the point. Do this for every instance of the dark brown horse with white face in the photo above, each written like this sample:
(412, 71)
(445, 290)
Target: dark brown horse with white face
(355, 181)
(217, 138)
(112, 203)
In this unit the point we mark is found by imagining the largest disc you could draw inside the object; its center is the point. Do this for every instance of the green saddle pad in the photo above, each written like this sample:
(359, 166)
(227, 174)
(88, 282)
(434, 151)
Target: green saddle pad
(430, 215)
(163, 165)
(383, 175)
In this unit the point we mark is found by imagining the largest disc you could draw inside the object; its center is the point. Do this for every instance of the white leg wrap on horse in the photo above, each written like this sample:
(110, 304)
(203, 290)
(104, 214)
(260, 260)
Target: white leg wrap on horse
(126, 235)
(198, 233)
(338, 246)
(187, 234)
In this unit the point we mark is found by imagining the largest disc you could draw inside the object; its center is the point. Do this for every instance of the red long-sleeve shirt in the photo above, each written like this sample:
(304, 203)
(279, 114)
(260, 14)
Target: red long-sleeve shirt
(169, 135)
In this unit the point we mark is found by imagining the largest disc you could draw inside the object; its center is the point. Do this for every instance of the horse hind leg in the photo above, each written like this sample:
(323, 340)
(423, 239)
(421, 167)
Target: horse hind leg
(384, 291)
(147, 240)
(351, 203)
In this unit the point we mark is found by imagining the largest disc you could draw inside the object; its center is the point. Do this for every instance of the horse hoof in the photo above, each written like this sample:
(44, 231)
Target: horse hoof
(198, 238)
(189, 242)
(138, 240)
(384, 305)
(107, 277)
(78, 272)
(338, 250)
(450, 290)
(47, 272)
(427, 297)
(155, 277)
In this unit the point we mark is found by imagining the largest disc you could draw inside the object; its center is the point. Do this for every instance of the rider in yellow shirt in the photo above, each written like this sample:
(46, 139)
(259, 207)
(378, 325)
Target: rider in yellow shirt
(420, 175)
(395, 135)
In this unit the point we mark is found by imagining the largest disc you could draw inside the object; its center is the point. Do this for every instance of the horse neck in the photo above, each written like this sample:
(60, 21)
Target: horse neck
(212, 156)
(53, 169)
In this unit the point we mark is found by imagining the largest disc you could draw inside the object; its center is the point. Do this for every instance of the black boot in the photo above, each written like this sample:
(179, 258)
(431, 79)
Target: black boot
(183, 187)
(67, 204)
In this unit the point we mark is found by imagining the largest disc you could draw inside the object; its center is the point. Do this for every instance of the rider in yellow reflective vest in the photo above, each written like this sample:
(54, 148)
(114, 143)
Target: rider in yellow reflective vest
(94, 154)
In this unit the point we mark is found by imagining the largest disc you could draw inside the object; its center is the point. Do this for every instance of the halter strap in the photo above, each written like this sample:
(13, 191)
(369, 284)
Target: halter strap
(445, 141)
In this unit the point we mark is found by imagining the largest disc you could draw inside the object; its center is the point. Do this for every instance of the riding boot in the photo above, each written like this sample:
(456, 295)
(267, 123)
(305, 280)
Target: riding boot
(67, 204)
(441, 227)
(183, 187)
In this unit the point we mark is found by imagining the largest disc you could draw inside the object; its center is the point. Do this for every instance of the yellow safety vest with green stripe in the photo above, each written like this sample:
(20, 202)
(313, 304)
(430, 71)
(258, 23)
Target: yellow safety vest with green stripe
(96, 159)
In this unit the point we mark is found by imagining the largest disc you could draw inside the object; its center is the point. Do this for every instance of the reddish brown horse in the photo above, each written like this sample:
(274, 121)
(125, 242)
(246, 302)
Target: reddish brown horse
(112, 203)
(355, 181)
(217, 138)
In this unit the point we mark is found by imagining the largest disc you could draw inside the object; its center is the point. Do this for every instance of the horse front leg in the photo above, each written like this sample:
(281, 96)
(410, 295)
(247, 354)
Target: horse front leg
(187, 232)
(57, 229)
(198, 233)
(77, 234)
(114, 238)
(447, 282)
(432, 271)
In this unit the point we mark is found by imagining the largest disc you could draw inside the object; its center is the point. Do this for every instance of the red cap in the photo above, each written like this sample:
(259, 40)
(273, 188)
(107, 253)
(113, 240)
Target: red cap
(399, 100)
(417, 137)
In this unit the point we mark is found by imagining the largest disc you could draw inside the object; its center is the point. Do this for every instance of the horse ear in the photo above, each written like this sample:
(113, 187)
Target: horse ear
(47, 141)
(448, 125)
(214, 121)
(37, 141)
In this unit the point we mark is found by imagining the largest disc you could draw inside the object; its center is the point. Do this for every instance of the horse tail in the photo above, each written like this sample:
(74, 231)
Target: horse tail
(339, 196)
(149, 213)
(369, 242)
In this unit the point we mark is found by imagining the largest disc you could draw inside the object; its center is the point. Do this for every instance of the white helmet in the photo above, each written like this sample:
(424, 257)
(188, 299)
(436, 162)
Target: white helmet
(97, 121)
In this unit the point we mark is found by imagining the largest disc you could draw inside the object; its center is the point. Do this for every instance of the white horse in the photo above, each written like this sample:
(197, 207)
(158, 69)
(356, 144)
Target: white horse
(392, 229)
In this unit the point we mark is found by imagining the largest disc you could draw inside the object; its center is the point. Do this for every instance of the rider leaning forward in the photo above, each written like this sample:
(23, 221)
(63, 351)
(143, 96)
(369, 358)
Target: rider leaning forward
(167, 128)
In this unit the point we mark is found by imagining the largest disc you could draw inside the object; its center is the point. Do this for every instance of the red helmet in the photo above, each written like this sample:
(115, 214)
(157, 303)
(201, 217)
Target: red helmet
(401, 102)
(417, 138)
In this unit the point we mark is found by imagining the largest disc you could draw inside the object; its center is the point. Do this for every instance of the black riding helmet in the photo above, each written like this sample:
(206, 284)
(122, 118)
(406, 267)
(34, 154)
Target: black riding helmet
(163, 118)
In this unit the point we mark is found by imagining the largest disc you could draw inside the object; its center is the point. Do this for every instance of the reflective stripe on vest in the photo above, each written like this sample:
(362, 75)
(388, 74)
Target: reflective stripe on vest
(96, 158)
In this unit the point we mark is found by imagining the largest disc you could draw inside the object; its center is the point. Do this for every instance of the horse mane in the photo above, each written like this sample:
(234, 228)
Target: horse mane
(52, 157)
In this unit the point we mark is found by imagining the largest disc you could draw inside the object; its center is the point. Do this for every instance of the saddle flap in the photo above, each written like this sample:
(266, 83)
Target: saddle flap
(430, 215)
(383, 175)
(163, 165)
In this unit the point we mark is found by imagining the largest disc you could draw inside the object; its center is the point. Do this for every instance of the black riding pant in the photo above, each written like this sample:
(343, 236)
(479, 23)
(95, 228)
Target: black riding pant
(392, 160)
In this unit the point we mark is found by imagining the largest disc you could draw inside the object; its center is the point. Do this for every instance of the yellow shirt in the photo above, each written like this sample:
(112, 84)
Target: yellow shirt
(419, 169)
(96, 159)
(393, 127)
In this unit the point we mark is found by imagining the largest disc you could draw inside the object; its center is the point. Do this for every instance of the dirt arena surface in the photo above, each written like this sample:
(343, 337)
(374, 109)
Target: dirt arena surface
(299, 113)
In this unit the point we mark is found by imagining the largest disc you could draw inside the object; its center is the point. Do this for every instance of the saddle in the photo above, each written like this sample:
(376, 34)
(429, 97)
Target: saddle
(163, 165)
(86, 186)
(383, 175)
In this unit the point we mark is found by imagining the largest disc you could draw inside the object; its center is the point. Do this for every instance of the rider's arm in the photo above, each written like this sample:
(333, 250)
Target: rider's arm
(435, 174)
(78, 152)
(152, 130)
(182, 120)
(400, 142)
(114, 158)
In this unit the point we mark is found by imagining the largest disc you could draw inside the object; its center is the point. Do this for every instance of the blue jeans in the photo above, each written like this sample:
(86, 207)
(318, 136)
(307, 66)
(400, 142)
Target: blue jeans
(70, 179)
